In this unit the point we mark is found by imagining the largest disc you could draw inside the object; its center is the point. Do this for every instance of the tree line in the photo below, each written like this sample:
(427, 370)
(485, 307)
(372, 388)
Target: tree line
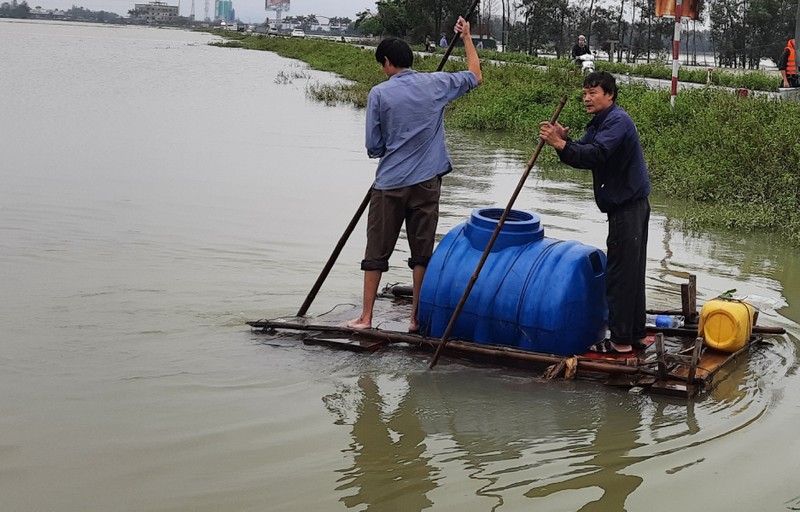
(738, 33)
(22, 10)
(15, 10)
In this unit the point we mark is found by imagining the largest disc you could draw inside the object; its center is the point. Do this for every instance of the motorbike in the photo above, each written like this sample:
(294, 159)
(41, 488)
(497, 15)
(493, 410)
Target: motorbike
(586, 62)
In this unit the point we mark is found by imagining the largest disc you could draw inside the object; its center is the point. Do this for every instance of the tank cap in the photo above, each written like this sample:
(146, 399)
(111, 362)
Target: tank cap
(519, 221)
(521, 227)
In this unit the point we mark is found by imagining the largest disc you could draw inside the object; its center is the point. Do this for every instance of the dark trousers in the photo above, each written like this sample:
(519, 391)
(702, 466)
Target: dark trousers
(417, 206)
(625, 271)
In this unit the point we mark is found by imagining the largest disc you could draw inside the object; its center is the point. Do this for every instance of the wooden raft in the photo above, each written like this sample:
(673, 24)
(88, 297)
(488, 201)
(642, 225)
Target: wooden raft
(656, 371)
(683, 368)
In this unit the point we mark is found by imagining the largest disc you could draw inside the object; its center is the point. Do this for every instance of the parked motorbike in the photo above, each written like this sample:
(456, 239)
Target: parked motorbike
(586, 62)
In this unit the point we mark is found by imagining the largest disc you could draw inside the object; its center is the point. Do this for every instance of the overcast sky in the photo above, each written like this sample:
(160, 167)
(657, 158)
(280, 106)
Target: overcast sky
(246, 10)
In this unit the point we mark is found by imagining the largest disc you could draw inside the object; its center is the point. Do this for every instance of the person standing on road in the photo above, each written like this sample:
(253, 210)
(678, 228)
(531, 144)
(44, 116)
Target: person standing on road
(405, 129)
(611, 149)
(787, 65)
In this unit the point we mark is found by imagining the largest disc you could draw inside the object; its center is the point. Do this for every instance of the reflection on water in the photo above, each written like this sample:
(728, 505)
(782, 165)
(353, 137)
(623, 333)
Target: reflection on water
(510, 440)
(389, 471)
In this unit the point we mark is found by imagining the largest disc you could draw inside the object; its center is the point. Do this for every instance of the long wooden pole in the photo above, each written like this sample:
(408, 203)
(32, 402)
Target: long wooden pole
(335, 254)
(496, 232)
(365, 202)
(488, 351)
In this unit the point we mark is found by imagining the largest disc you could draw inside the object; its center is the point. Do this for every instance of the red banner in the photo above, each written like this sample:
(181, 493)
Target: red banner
(689, 8)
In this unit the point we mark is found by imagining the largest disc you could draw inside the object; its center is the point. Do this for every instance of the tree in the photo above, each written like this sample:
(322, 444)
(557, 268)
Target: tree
(393, 17)
(743, 32)
(15, 10)
(544, 24)
(367, 23)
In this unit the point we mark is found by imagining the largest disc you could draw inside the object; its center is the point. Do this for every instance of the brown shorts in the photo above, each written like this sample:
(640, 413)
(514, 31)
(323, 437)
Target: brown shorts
(418, 206)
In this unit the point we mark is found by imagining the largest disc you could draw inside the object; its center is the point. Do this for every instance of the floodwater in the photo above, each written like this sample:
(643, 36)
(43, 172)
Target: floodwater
(158, 192)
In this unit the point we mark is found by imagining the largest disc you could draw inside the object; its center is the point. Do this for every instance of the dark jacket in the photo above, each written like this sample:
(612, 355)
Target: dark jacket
(579, 50)
(611, 149)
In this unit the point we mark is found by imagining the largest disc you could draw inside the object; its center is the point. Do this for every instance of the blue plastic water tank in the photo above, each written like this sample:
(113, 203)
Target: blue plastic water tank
(533, 292)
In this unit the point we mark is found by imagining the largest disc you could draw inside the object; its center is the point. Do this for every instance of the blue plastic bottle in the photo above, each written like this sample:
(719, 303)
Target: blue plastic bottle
(670, 321)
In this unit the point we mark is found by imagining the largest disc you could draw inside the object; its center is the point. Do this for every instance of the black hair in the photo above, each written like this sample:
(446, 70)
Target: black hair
(604, 80)
(396, 50)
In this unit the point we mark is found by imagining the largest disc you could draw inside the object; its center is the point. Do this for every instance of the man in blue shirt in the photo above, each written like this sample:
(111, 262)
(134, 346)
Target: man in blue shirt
(611, 149)
(405, 129)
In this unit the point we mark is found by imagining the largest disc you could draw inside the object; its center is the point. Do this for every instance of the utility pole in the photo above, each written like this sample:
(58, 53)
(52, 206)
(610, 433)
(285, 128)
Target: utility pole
(676, 50)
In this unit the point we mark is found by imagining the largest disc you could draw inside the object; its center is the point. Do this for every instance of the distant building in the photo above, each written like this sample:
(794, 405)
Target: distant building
(157, 12)
(223, 10)
(53, 14)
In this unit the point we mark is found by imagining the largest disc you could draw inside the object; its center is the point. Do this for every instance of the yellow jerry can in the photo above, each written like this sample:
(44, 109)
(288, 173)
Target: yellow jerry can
(726, 325)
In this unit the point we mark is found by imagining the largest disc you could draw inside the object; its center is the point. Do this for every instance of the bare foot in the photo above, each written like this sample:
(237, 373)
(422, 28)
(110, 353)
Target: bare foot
(622, 349)
(359, 323)
(609, 347)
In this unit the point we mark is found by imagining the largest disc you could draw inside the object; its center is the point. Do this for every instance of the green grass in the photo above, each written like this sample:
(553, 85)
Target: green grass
(734, 160)
(755, 80)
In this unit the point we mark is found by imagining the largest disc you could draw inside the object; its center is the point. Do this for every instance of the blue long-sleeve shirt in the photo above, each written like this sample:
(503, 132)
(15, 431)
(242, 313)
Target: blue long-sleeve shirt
(405, 125)
(611, 149)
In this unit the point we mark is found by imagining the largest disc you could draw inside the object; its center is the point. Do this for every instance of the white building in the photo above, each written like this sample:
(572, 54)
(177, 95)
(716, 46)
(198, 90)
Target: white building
(157, 12)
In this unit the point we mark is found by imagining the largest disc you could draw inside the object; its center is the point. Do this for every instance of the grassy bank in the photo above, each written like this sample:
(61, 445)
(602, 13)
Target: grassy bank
(735, 161)
(756, 80)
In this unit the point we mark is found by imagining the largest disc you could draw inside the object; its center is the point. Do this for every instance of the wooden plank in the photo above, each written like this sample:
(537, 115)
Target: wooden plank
(698, 347)
(711, 361)
(661, 357)
(674, 388)
(689, 300)
(346, 343)
(690, 330)
(630, 381)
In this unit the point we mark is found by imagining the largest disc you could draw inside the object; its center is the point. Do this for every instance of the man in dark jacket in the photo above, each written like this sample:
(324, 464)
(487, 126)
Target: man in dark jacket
(580, 48)
(611, 149)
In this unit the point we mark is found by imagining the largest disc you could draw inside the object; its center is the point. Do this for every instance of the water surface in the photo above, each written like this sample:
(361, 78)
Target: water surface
(158, 192)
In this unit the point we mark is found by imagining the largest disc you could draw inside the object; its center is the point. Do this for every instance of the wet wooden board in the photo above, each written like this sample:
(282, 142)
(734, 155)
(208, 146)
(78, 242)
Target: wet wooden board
(353, 345)
(635, 373)
(711, 361)
(674, 388)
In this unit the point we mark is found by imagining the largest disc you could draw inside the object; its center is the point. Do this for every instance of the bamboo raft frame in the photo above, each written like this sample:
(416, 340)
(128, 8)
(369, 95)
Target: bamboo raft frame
(683, 374)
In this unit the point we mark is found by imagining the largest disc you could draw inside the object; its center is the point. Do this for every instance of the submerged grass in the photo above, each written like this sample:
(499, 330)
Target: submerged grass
(734, 160)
